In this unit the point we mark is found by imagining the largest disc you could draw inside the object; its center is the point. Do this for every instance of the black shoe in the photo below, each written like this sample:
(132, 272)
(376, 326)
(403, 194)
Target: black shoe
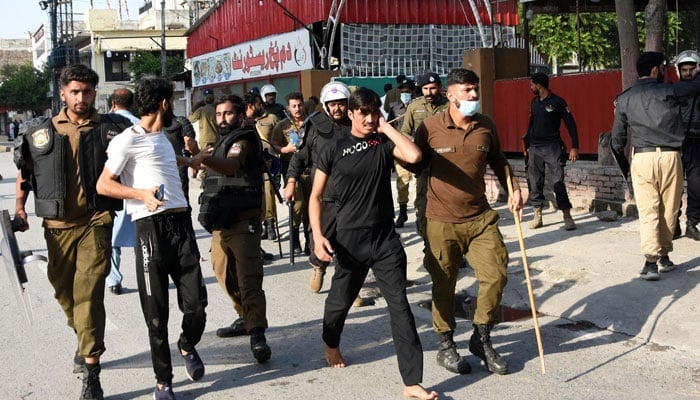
(677, 231)
(691, 230)
(263, 234)
(448, 358)
(194, 367)
(266, 257)
(165, 393)
(92, 390)
(237, 328)
(116, 289)
(480, 345)
(403, 216)
(258, 344)
(78, 363)
(665, 264)
(650, 272)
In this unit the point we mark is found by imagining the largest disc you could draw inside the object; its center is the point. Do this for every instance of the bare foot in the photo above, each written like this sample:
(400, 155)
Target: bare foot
(418, 392)
(333, 357)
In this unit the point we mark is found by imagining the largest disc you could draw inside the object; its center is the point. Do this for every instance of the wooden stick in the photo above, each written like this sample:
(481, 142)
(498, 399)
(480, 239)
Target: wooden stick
(526, 268)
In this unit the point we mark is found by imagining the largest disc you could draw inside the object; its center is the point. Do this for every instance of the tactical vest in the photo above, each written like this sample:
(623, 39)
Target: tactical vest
(49, 151)
(223, 196)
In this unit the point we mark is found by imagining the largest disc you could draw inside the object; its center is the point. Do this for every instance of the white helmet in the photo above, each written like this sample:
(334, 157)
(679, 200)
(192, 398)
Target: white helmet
(333, 91)
(688, 56)
(267, 89)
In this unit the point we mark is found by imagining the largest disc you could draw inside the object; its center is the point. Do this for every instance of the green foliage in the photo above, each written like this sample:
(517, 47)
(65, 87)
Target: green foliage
(555, 36)
(148, 63)
(24, 88)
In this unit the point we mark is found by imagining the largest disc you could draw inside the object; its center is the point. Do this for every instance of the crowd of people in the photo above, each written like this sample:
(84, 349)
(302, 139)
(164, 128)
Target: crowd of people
(124, 182)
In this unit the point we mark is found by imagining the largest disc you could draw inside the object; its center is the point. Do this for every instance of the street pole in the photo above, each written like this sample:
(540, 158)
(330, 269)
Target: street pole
(163, 63)
(55, 100)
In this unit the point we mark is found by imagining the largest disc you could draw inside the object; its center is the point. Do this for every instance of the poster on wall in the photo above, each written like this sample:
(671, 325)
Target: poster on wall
(273, 55)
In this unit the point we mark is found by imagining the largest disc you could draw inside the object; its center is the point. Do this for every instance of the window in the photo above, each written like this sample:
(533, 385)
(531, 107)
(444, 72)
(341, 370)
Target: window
(117, 66)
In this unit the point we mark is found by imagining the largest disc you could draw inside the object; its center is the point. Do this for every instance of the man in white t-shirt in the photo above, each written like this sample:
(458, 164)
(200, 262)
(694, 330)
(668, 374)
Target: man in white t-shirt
(142, 168)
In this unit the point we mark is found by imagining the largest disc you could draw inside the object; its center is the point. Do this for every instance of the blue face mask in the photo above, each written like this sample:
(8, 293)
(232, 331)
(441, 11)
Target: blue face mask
(468, 107)
(405, 98)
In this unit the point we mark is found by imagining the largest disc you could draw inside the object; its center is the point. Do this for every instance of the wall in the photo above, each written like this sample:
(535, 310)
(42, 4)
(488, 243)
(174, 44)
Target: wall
(590, 186)
(313, 81)
(491, 65)
(590, 97)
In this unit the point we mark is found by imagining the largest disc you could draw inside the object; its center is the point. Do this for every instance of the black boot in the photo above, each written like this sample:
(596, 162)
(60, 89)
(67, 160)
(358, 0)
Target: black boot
(691, 229)
(271, 232)
(258, 344)
(480, 345)
(403, 216)
(92, 390)
(448, 357)
(263, 235)
(295, 238)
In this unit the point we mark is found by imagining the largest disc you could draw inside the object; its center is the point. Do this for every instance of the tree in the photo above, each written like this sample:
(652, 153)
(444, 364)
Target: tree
(628, 39)
(558, 37)
(655, 24)
(147, 63)
(24, 88)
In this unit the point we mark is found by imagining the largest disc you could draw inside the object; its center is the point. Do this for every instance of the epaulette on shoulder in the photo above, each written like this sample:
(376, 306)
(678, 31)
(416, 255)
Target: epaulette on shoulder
(320, 121)
(34, 123)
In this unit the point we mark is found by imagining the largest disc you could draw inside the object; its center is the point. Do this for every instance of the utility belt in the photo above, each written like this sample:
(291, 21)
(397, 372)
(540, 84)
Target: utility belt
(655, 149)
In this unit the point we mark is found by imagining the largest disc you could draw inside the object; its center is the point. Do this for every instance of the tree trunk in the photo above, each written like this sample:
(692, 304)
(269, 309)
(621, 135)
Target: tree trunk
(629, 42)
(655, 23)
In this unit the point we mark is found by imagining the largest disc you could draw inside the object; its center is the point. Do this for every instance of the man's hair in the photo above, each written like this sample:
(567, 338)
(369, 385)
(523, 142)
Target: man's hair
(80, 73)
(294, 96)
(315, 99)
(539, 78)
(123, 98)
(236, 100)
(647, 61)
(387, 87)
(150, 92)
(400, 78)
(250, 98)
(365, 100)
(461, 76)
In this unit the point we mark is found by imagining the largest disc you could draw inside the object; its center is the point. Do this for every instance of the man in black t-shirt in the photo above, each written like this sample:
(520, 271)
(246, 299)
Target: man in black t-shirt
(359, 167)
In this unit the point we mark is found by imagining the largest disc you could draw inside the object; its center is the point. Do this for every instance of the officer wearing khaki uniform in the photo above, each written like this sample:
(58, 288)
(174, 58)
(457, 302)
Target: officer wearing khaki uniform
(264, 124)
(77, 221)
(285, 137)
(457, 145)
(431, 103)
(230, 209)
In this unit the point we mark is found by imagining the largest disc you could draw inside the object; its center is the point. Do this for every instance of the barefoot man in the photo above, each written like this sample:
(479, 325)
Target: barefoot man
(359, 167)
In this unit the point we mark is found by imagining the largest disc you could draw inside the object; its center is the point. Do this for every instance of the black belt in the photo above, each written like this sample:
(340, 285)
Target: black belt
(654, 149)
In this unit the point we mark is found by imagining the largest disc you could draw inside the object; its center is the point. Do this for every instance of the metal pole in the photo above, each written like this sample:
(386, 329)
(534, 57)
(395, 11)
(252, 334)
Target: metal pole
(163, 63)
(526, 35)
(55, 99)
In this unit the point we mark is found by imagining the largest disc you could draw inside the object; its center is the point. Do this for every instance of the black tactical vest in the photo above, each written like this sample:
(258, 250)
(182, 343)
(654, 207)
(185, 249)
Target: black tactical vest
(48, 153)
(223, 196)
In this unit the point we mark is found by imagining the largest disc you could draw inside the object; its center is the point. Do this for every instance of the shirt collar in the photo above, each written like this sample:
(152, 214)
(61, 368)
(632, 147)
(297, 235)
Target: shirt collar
(62, 118)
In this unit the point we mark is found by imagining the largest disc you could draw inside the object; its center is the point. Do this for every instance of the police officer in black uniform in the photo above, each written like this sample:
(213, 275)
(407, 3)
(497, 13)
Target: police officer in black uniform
(546, 149)
(320, 131)
(230, 209)
(687, 63)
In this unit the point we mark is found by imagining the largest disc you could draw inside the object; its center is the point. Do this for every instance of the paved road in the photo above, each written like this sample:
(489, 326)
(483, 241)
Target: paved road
(607, 335)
